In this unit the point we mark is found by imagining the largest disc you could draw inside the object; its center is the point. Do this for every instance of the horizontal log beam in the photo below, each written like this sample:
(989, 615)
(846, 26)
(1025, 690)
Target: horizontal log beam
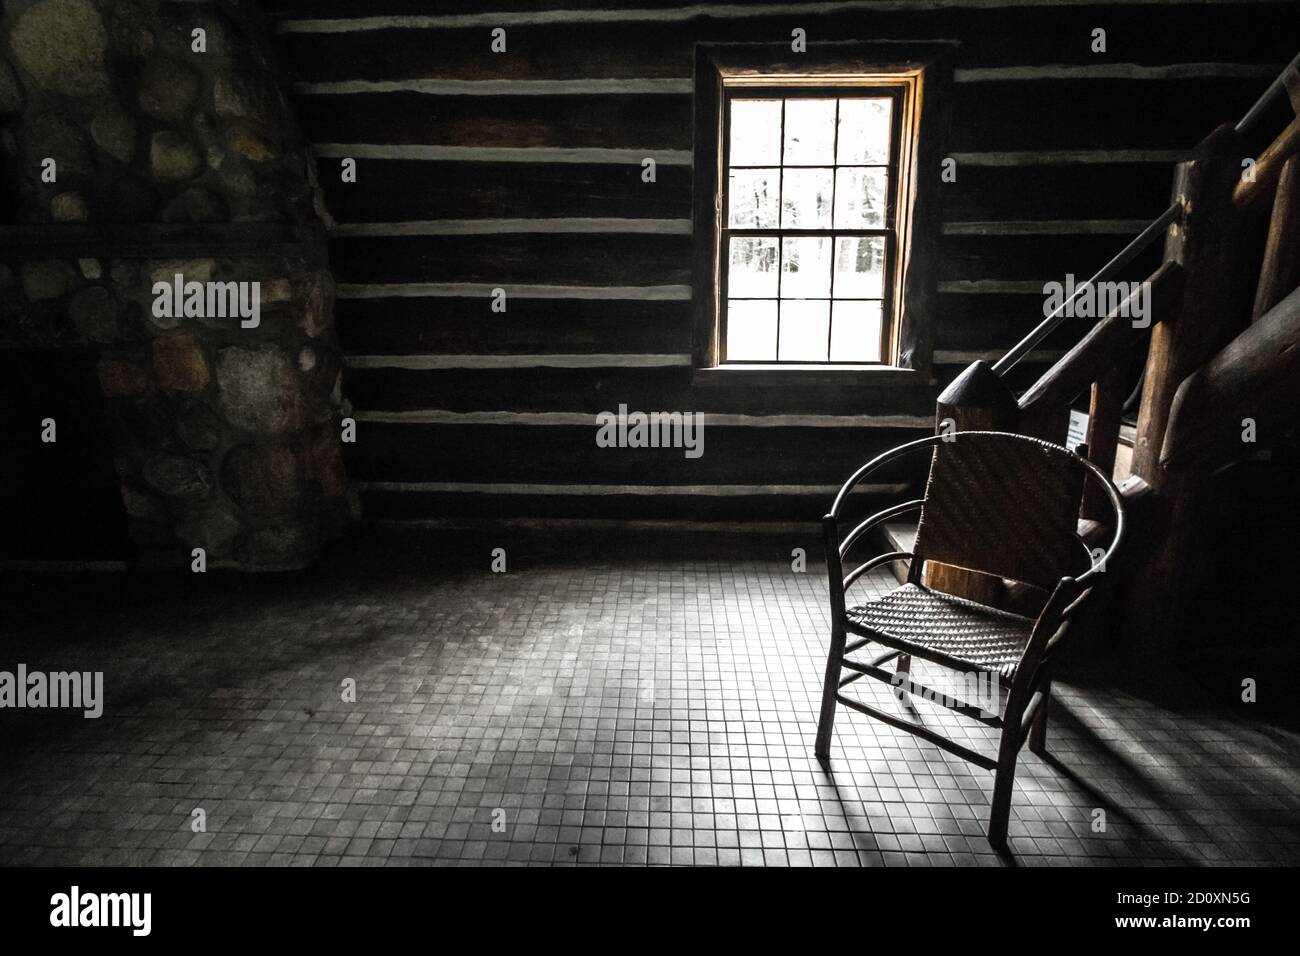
(485, 290)
(148, 240)
(715, 11)
(588, 419)
(561, 490)
(527, 454)
(591, 390)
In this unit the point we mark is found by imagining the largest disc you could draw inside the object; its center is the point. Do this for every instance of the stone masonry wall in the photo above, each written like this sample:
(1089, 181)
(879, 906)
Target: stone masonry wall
(175, 153)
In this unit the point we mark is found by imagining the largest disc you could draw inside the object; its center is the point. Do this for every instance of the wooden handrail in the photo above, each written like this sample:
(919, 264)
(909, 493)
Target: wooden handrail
(1135, 248)
(1283, 81)
(1251, 192)
(1267, 168)
(1095, 353)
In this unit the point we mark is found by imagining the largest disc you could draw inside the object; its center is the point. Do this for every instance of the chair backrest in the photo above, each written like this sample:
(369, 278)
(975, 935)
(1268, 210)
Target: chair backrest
(1006, 505)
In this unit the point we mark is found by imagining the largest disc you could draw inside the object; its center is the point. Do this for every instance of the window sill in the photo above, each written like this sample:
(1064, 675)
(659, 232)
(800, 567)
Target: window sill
(768, 376)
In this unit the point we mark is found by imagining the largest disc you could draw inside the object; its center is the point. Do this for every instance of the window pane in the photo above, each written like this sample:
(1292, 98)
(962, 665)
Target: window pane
(806, 199)
(859, 267)
(806, 268)
(809, 132)
(755, 132)
(752, 274)
(855, 332)
(864, 130)
(752, 198)
(803, 330)
(860, 198)
(751, 330)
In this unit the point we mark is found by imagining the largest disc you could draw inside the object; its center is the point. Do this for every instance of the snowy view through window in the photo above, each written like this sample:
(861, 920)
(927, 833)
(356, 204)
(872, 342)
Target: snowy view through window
(806, 229)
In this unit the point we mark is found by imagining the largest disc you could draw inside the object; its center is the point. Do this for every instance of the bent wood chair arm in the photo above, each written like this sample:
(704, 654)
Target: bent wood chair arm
(879, 461)
(837, 550)
(892, 512)
(1085, 580)
(878, 561)
(882, 559)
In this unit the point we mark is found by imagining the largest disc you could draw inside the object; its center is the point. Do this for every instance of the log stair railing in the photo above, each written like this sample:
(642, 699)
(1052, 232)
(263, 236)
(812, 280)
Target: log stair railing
(1224, 325)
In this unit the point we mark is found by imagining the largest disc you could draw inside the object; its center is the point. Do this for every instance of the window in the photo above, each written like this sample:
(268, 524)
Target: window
(810, 214)
(808, 226)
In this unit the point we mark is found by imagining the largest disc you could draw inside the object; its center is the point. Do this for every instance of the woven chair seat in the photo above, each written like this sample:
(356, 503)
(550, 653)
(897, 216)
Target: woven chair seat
(946, 629)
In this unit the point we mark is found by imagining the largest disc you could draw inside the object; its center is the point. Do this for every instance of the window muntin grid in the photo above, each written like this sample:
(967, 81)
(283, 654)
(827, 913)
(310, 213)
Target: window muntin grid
(770, 231)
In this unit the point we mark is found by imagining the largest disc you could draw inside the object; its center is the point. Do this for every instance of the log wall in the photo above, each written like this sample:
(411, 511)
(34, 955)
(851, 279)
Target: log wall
(522, 170)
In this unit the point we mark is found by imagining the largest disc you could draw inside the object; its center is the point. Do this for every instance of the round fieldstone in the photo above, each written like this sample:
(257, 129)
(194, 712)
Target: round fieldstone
(245, 96)
(114, 131)
(212, 527)
(141, 503)
(237, 182)
(167, 90)
(260, 389)
(263, 479)
(129, 31)
(61, 43)
(69, 207)
(277, 290)
(179, 477)
(198, 426)
(91, 269)
(178, 363)
(245, 141)
(196, 204)
(125, 272)
(93, 311)
(172, 158)
(198, 270)
(46, 279)
(223, 39)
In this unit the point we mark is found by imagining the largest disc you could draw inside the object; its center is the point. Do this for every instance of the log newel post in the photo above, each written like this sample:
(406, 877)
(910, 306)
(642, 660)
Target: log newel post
(1211, 244)
(977, 400)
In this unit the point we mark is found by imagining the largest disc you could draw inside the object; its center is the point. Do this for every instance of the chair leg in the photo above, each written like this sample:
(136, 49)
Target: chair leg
(904, 670)
(1038, 729)
(826, 723)
(1004, 779)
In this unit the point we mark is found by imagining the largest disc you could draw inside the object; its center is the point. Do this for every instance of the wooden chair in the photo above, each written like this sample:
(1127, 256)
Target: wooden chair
(1002, 504)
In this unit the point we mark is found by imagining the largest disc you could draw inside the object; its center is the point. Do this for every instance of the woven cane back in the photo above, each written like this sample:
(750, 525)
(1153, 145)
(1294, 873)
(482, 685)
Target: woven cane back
(1003, 504)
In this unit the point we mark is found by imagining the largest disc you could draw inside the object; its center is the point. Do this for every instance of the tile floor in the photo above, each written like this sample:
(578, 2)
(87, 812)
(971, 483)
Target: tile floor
(576, 709)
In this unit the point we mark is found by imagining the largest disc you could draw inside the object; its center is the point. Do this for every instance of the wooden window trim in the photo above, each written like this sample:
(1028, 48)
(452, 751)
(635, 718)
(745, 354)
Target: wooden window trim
(929, 67)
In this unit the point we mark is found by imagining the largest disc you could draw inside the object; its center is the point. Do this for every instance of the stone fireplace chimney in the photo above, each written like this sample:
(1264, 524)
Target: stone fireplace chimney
(148, 145)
